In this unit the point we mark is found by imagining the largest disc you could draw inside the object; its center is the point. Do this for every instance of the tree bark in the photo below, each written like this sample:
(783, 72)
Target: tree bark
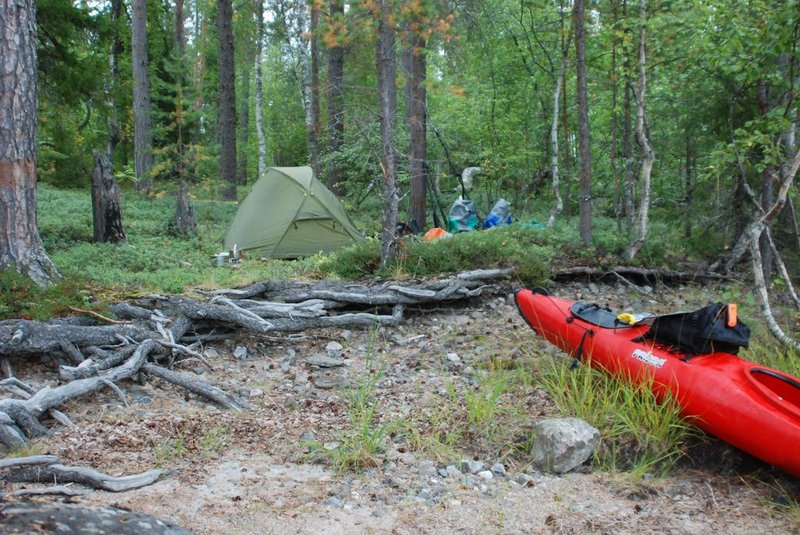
(648, 156)
(143, 135)
(418, 134)
(185, 220)
(584, 143)
(227, 99)
(262, 138)
(106, 207)
(335, 103)
(244, 124)
(313, 128)
(558, 204)
(615, 119)
(387, 108)
(21, 248)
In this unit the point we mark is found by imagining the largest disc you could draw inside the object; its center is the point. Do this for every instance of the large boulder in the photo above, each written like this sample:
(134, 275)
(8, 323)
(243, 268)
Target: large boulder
(562, 444)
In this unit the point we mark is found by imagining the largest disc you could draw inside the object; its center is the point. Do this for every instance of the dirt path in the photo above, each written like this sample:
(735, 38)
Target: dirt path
(255, 473)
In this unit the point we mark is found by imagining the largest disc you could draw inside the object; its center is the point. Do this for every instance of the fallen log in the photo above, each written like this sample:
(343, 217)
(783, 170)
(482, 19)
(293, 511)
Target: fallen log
(49, 518)
(645, 275)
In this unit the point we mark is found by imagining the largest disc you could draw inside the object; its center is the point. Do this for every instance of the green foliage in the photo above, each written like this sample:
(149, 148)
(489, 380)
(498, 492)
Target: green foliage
(501, 247)
(21, 298)
(640, 433)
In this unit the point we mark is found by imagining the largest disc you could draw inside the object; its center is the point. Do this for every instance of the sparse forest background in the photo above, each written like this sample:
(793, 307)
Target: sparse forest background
(654, 132)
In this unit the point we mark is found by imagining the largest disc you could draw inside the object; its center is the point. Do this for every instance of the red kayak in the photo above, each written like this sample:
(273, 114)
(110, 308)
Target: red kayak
(752, 407)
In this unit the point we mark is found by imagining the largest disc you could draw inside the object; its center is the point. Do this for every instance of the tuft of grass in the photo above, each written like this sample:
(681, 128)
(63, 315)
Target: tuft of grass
(215, 441)
(21, 298)
(639, 433)
(170, 449)
(26, 450)
(361, 445)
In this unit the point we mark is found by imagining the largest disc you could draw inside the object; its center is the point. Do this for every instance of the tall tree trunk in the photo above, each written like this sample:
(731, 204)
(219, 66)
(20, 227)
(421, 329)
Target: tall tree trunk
(21, 247)
(335, 104)
(584, 143)
(615, 120)
(689, 171)
(227, 99)
(143, 134)
(262, 137)
(106, 206)
(184, 213)
(387, 108)
(116, 48)
(418, 134)
(648, 156)
(767, 187)
(627, 138)
(244, 124)
(558, 204)
(309, 63)
(199, 67)
(566, 144)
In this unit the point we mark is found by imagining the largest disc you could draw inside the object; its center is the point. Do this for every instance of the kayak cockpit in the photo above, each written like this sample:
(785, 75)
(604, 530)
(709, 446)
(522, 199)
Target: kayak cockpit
(783, 390)
(597, 315)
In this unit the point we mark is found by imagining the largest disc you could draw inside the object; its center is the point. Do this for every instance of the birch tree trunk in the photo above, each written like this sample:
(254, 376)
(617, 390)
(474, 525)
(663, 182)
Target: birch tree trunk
(143, 125)
(387, 108)
(558, 205)
(262, 138)
(648, 156)
(584, 142)
(21, 247)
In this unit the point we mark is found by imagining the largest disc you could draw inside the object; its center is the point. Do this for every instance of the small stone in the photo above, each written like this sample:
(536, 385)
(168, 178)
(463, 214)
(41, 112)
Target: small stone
(328, 381)
(471, 467)
(399, 339)
(198, 370)
(426, 469)
(334, 349)
(211, 353)
(442, 472)
(330, 446)
(476, 315)
(308, 436)
(468, 371)
(335, 501)
(256, 392)
(452, 471)
(498, 469)
(484, 488)
(346, 335)
(144, 400)
(454, 358)
(321, 361)
(524, 480)
(240, 352)
(424, 494)
(485, 474)
(593, 288)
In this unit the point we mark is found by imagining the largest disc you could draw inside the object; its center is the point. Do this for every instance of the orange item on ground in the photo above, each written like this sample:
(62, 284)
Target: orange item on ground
(434, 234)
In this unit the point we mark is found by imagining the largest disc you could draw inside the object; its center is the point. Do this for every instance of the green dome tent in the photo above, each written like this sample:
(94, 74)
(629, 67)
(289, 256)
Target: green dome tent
(289, 214)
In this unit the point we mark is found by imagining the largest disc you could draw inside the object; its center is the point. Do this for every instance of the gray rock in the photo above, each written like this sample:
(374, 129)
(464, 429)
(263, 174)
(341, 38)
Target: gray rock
(476, 315)
(498, 469)
(485, 474)
(454, 358)
(346, 335)
(593, 287)
(334, 349)
(562, 444)
(240, 352)
(335, 501)
(472, 467)
(144, 400)
(524, 479)
(399, 339)
(211, 353)
(327, 381)
(321, 361)
(256, 392)
(427, 469)
(452, 471)
(198, 370)
(308, 436)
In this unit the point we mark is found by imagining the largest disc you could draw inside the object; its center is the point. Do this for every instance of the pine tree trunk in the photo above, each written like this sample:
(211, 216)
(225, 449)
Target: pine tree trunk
(387, 108)
(21, 247)
(143, 135)
(648, 156)
(106, 206)
(262, 138)
(584, 143)
(418, 132)
(335, 106)
(316, 128)
(227, 100)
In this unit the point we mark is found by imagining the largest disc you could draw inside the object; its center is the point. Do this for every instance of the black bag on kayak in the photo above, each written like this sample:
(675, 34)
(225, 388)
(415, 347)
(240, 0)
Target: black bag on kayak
(715, 328)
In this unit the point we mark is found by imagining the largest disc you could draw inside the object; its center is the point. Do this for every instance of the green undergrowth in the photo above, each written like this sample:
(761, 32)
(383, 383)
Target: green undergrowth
(640, 434)
(514, 246)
